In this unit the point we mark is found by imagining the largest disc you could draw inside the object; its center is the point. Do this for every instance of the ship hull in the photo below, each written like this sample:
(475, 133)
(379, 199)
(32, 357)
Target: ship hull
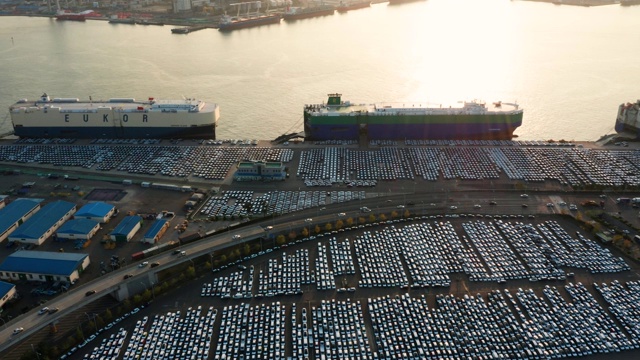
(356, 6)
(130, 132)
(412, 127)
(307, 15)
(71, 17)
(398, 2)
(249, 23)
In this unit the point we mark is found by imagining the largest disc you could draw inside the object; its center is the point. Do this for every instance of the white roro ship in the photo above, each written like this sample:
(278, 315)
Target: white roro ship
(114, 118)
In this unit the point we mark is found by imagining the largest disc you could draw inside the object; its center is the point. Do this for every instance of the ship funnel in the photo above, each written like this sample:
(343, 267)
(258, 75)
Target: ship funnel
(334, 99)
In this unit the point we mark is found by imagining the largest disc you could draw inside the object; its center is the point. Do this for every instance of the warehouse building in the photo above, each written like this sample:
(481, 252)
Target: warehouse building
(78, 229)
(126, 229)
(16, 213)
(97, 211)
(260, 171)
(7, 292)
(156, 231)
(3, 200)
(43, 223)
(43, 266)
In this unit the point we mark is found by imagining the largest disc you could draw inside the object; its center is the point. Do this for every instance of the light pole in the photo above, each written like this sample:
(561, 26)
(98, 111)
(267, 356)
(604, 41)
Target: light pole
(94, 321)
(144, 285)
(37, 353)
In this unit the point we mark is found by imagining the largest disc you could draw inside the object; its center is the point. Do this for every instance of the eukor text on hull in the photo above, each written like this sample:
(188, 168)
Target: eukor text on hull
(114, 118)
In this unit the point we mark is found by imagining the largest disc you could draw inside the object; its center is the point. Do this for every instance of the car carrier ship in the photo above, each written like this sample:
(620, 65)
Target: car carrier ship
(628, 119)
(342, 120)
(114, 118)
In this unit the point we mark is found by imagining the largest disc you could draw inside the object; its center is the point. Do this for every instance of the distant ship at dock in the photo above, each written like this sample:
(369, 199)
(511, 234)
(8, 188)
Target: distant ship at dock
(347, 5)
(123, 118)
(628, 119)
(297, 13)
(343, 120)
(247, 19)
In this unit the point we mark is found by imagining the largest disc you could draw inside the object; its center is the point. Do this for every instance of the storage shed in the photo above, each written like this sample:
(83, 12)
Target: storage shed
(126, 229)
(14, 214)
(78, 229)
(97, 211)
(7, 292)
(43, 266)
(3, 200)
(156, 231)
(43, 223)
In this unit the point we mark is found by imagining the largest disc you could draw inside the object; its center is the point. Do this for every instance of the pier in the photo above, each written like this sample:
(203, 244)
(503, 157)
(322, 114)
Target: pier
(189, 29)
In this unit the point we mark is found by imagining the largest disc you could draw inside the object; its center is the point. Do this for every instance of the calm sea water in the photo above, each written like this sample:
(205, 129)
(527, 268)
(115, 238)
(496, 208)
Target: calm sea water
(568, 67)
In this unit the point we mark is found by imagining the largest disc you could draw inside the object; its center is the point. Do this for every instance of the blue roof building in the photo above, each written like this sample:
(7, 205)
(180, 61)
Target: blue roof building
(98, 211)
(7, 292)
(44, 223)
(126, 228)
(43, 266)
(14, 214)
(78, 229)
(156, 231)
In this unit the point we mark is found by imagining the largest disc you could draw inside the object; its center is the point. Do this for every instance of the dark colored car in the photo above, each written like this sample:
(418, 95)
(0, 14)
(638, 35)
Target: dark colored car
(90, 292)
(53, 310)
(155, 264)
(128, 276)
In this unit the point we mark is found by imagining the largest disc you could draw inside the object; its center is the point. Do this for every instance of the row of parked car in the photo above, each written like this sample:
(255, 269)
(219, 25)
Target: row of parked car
(520, 324)
(573, 166)
(488, 250)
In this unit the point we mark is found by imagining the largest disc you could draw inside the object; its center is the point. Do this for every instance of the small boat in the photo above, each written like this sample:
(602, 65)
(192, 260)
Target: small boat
(118, 20)
(148, 22)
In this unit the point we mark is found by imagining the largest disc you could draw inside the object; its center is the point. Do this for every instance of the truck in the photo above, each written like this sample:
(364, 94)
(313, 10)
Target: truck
(623, 200)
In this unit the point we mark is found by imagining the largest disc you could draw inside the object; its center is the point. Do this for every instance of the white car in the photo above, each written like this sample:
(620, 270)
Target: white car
(43, 310)
(477, 206)
(143, 264)
(18, 330)
(524, 195)
(236, 236)
(453, 207)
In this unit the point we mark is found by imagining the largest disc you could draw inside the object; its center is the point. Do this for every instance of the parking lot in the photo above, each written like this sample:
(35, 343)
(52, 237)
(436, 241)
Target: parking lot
(367, 292)
(541, 284)
(566, 164)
